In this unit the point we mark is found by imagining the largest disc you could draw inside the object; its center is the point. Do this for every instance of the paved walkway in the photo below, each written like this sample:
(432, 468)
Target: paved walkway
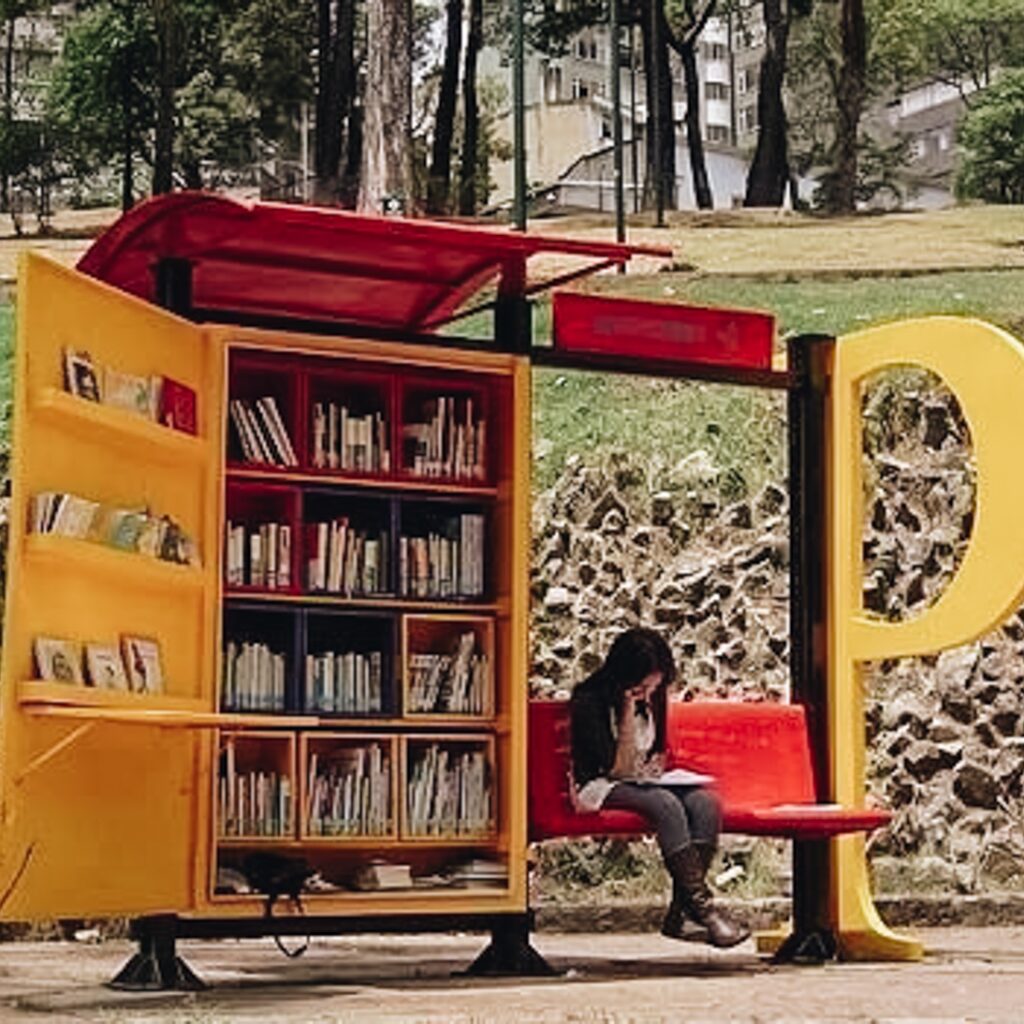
(970, 974)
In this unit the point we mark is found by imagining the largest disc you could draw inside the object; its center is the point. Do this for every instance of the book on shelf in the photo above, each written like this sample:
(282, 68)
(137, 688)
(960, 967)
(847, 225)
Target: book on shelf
(349, 683)
(341, 559)
(177, 406)
(251, 803)
(450, 683)
(105, 666)
(258, 556)
(261, 433)
(136, 530)
(382, 874)
(143, 662)
(80, 377)
(58, 659)
(341, 439)
(349, 792)
(444, 564)
(478, 872)
(253, 678)
(449, 791)
(131, 391)
(447, 438)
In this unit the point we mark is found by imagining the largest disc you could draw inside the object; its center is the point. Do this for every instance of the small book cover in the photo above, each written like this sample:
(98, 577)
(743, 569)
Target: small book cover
(80, 375)
(128, 391)
(178, 406)
(106, 669)
(58, 660)
(142, 660)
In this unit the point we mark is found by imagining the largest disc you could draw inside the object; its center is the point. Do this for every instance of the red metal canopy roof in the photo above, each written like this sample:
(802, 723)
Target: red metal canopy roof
(313, 263)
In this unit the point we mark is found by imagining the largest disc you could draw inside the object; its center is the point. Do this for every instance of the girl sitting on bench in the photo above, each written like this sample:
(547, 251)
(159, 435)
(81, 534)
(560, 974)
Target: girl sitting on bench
(618, 754)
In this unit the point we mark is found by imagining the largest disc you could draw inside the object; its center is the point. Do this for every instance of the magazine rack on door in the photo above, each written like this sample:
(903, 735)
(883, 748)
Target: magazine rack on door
(149, 805)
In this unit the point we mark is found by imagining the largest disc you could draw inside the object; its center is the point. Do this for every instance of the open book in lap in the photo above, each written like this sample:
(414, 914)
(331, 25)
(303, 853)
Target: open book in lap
(677, 777)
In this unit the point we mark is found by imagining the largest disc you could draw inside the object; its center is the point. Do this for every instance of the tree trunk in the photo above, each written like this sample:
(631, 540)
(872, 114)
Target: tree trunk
(471, 113)
(127, 127)
(660, 134)
(334, 54)
(850, 102)
(439, 177)
(387, 126)
(769, 171)
(164, 16)
(694, 140)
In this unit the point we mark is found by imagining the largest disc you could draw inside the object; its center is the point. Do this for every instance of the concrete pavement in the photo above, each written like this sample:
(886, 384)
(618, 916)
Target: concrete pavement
(970, 974)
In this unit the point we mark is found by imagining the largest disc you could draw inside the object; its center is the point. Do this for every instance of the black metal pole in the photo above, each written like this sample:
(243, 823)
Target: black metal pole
(519, 116)
(653, 114)
(632, 118)
(616, 91)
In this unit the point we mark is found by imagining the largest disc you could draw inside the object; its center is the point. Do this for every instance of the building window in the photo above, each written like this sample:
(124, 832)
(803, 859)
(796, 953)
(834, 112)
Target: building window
(718, 133)
(717, 91)
(580, 89)
(746, 119)
(715, 51)
(593, 50)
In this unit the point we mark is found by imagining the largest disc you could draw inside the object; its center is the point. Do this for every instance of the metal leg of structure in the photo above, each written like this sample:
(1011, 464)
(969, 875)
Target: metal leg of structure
(510, 953)
(156, 967)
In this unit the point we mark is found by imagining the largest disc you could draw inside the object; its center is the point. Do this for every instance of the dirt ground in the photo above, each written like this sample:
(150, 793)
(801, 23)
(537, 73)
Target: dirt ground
(969, 974)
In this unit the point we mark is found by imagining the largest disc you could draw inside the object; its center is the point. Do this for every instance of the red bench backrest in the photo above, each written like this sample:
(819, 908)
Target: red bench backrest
(758, 753)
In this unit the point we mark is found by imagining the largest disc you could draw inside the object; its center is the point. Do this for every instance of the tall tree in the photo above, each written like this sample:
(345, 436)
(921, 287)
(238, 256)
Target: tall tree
(851, 91)
(660, 144)
(687, 20)
(439, 177)
(387, 125)
(335, 92)
(168, 29)
(993, 141)
(769, 170)
(468, 195)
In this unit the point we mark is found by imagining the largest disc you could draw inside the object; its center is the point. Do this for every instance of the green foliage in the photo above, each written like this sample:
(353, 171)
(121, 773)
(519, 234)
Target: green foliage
(992, 137)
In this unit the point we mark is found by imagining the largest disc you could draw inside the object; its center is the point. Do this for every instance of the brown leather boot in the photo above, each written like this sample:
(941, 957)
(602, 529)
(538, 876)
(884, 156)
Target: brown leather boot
(692, 898)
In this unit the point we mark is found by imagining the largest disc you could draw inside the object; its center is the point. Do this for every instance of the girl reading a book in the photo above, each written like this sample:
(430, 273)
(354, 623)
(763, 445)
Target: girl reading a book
(618, 756)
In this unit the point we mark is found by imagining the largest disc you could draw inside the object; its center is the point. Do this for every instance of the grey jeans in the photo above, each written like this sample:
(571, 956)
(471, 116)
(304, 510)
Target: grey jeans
(679, 815)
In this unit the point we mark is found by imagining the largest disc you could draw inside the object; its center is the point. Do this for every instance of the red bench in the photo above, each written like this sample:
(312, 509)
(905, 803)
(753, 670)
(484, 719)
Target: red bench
(758, 754)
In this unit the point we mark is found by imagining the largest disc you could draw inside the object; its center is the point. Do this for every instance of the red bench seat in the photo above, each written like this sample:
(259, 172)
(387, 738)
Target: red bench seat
(758, 753)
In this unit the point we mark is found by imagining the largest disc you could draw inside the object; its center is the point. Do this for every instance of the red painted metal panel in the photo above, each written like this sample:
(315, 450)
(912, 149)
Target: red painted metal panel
(314, 263)
(664, 331)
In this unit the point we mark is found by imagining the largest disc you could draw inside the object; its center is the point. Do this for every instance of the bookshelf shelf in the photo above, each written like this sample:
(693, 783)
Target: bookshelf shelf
(130, 568)
(37, 691)
(396, 483)
(172, 716)
(109, 425)
(337, 601)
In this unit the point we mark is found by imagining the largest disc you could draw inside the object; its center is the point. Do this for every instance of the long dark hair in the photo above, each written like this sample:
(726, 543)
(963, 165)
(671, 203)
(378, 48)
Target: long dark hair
(633, 656)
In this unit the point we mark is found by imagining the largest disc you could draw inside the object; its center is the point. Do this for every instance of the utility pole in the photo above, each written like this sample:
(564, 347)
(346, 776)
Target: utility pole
(519, 117)
(620, 209)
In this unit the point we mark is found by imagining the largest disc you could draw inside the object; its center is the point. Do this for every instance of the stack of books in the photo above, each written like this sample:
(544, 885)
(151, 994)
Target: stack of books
(456, 683)
(350, 793)
(449, 792)
(347, 683)
(137, 530)
(444, 564)
(252, 803)
(343, 560)
(343, 440)
(258, 556)
(448, 440)
(253, 678)
(479, 873)
(261, 433)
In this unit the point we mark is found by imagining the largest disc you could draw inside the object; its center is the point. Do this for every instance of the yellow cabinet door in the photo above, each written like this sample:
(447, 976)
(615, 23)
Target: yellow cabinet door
(102, 798)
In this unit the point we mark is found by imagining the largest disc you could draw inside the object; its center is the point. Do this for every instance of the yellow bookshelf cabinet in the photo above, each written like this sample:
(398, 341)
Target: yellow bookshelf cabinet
(142, 804)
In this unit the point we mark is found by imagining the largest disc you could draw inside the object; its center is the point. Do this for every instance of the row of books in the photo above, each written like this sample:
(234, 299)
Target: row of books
(253, 678)
(135, 665)
(451, 441)
(253, 803)
(137, 530)
(449, 792)
(458, 683)
(344, 683)
(261, 432)
(258, 556)
(158, 398)
(340, 439)
(350, 794)
(444, 565)
(343, 560)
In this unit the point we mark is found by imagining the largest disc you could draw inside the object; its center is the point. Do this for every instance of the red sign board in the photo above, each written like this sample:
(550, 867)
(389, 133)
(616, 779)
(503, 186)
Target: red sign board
(664, 331)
